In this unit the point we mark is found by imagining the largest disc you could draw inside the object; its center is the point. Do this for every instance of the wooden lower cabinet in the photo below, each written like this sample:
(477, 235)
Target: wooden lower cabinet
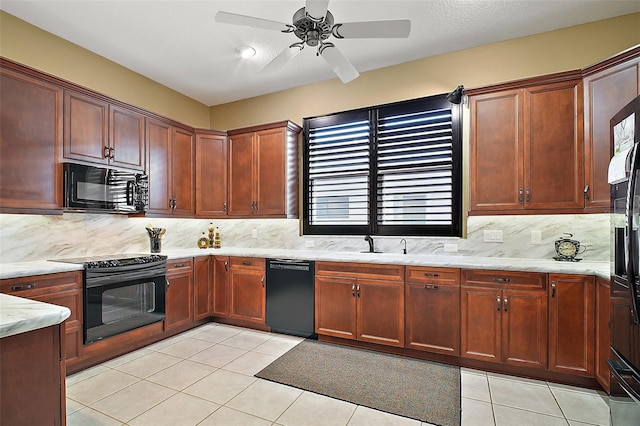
(355, 302)
(202, 274)
(179, 295)
(571, 324)
(603, 335)
(247, 291)
(220, 288)
(63, 289)
(504, 318)
(32, 368)
(432, 309)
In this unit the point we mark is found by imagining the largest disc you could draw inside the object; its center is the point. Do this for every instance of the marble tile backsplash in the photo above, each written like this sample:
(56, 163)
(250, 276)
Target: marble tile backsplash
(39, 237)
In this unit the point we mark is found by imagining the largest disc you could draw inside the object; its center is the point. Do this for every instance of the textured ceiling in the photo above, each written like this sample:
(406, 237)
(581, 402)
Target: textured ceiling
(178, 44)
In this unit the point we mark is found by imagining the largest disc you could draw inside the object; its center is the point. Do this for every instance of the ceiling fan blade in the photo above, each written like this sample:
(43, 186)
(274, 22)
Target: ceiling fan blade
(281, 59)
(316, 8)
(398, 28)
(339, 64)
(249, 21)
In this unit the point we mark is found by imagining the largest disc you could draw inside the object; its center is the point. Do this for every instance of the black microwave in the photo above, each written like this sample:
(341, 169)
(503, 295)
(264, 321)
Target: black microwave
(100, 189)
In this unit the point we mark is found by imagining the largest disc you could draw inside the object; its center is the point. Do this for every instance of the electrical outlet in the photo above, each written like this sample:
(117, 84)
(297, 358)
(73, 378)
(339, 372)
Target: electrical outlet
(536, 237)
(451, 248)
(254, 233)
(309, 244)
(492, 236)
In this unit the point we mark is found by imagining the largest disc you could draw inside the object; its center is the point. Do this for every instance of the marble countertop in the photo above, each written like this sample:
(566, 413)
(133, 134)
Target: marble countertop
(601, 269)
(19, 315)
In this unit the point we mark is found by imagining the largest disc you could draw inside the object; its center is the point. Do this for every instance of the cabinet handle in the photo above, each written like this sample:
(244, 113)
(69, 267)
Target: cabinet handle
(528, 198)
(167, 287)
(106, 152)
(586, 192)
(498, 299)
(431, 274)
(505, 305)
(246, 263)
(22, 287)
(431, 287)
(262, 281)
(520, 196)
(256, 205)
(358, 290)
(224, 207)
(179, 265)
(553, 289)
(353, 290)
(111, 153)
(502, 280)
(226, 265)
(175, 204)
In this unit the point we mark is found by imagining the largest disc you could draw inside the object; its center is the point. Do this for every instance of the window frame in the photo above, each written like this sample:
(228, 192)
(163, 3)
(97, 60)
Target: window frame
(373, 228)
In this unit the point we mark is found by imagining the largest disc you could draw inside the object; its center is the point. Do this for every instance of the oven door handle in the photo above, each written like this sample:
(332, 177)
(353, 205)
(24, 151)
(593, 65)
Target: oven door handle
(117, 279)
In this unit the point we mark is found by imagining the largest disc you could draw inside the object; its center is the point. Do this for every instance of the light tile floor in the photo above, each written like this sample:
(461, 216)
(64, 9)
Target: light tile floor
(205, 377)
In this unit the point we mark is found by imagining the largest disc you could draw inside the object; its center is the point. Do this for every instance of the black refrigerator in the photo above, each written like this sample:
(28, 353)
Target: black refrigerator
(624, 177)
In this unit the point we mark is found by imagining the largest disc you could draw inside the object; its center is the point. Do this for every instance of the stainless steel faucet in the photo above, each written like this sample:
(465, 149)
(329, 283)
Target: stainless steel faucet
(370, 241)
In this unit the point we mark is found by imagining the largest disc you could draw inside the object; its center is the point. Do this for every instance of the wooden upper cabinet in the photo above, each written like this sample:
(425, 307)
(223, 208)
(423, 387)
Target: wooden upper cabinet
(171, 169)
(126, 138)
(263, 171)
(527, 147)
(30, 144)
(98, 132)
(86, 128)
(608, 87)
(211, 174)
(497, 154)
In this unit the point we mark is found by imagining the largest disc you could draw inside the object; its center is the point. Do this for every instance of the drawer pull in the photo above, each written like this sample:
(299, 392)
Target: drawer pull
(23, 287)
(246, 263)
(502, 280)
(431, 274)
(431, 287)
(179, 265)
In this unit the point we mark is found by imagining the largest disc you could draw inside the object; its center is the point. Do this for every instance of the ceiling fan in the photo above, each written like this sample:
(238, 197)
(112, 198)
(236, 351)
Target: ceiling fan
(313, 25)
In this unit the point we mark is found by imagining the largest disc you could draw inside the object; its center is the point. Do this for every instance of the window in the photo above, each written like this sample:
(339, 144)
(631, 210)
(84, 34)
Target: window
(389, 170)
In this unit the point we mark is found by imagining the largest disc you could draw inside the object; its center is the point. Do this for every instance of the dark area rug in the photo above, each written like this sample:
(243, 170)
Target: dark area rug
(422, 390)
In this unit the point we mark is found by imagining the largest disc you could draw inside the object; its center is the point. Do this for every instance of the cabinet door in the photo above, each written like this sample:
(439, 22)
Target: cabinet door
(380, 312)
(270, 174)
(524, 328)
(247, 298)
(202, 273)
(241, 172)
(126, 138)
(179, 300)
(220, 293)
(432, 320)
(603, 336)
(30, 143)
(183, 172)
(606, 92)
(211, 175)
(496, 162)
(85, 128)
(571, 324)
(336, 307)
(159, 166)
(554, 158)
(481, 323)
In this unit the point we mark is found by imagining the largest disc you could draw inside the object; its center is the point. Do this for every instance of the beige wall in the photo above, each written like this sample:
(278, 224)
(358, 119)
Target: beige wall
(31, 46)
(545, 53)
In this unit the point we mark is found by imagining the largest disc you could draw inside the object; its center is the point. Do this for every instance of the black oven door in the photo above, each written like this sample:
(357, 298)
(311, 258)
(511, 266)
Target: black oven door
(121, 304)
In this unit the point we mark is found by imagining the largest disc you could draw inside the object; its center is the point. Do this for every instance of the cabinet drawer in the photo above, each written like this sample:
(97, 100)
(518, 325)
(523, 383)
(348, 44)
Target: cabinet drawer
(247, 263)
(361, 270)
(179, 265)
(505, 279)
(31, 286)
(428, 275)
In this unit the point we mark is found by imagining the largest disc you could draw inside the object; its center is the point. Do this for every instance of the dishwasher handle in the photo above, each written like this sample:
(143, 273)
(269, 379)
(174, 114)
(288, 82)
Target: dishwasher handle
(290, 264)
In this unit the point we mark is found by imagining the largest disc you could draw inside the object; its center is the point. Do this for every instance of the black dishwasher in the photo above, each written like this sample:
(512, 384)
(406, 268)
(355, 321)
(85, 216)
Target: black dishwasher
(290, 296)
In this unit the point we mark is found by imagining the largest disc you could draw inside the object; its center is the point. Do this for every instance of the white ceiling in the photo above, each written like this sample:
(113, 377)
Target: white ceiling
(178, 44)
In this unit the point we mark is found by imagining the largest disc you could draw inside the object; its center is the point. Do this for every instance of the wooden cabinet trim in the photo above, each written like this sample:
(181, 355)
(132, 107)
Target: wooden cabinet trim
(432, 275)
